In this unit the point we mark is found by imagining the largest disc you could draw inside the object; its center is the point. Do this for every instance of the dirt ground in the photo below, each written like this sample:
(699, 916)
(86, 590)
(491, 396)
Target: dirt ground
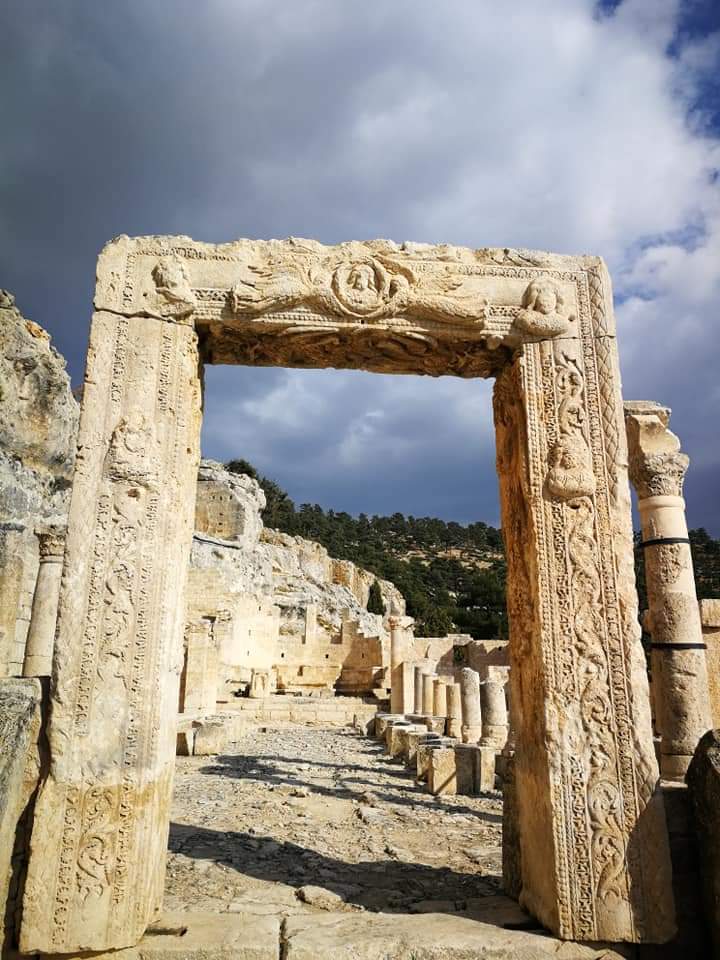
(302, 819)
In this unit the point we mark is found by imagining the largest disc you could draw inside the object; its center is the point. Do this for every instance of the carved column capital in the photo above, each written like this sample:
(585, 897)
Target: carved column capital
(51, 542)
(657, 466)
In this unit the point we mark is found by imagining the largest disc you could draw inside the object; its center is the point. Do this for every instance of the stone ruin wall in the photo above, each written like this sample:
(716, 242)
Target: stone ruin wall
(38, 425)
(293, 609)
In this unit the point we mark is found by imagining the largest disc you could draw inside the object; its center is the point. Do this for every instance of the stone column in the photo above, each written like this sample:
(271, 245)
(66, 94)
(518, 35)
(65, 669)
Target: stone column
(428, 698)
(679, 665)
(97, 860)
(396, 656)
(421, 669)
(710, 619)
(454, 710)
(41, 635)
(13, 548)
(439, 697)
(470, 704)
(494, 713)
(594, 849)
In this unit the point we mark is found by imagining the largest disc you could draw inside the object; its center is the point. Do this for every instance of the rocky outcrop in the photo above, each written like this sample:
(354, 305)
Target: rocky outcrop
(38, 419)
(293, 572)
(38, 426)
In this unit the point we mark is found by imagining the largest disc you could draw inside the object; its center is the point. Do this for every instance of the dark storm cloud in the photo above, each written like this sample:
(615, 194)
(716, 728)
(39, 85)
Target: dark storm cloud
(540, 125)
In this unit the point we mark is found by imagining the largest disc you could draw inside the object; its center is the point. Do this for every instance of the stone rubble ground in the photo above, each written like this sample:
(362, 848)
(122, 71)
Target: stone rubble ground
(294, 820)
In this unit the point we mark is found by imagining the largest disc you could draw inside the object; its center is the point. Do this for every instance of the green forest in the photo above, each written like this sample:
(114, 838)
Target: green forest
(451, 575)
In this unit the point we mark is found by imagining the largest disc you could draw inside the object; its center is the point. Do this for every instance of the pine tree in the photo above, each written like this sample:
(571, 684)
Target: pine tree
(375, 603)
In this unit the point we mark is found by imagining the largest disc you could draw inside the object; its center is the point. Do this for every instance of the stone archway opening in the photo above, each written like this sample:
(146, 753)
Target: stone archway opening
(591, 859)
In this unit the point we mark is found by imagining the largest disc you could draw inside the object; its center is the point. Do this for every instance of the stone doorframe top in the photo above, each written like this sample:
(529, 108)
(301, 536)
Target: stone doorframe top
(390, 308)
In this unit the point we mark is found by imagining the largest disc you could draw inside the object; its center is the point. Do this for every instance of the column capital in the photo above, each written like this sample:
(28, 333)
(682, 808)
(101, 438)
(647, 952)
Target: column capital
(51, 541)
(657, 466)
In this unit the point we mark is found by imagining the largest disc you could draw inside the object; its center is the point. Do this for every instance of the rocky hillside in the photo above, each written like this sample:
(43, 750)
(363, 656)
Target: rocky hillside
(38, 420)
(291, 571)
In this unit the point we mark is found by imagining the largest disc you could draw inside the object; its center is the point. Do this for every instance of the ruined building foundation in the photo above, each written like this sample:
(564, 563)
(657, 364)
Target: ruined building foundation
(593, 852)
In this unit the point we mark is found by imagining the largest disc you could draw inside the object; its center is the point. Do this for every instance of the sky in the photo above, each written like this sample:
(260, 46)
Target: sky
(565, 125)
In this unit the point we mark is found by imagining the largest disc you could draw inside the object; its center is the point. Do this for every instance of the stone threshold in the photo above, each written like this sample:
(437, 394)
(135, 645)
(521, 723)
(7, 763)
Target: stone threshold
(344, 936)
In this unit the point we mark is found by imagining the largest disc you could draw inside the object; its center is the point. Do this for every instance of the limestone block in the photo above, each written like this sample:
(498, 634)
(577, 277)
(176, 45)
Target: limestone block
(424, 751)
(436, 725)
(210, 738)
(20, 707)
(259, 684)
(467, 768)
(486, 768)
(428, 936)
(381, 723)
(392, 736)
(413, 739)
(400, 744)
(442, 777)
(703, 779)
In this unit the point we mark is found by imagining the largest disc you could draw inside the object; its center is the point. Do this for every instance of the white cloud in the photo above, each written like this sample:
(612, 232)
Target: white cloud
(477, 123)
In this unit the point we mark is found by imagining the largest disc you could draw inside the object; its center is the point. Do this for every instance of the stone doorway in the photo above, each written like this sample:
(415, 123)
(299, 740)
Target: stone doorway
(592, 856)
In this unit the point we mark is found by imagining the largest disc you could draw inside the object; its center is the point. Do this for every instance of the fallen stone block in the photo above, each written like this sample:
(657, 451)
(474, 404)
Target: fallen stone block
(210, 738)
(424, 936)
(467, 768)
(441, 774)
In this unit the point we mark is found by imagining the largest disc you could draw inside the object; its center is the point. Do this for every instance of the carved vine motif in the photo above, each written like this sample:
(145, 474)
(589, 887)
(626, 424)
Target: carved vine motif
(542, 313)
(571, 482)
(363, 288)
(95, 846)
(119, 599)
(371, 349)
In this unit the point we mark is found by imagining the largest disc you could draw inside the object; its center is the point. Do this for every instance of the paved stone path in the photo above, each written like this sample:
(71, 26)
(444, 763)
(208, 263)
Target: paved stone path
(302, 819)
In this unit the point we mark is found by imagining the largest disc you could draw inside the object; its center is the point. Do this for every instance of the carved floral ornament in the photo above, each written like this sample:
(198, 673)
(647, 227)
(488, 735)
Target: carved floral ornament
(364, 288)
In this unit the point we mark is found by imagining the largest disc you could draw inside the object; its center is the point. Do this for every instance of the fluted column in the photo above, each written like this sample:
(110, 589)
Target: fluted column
(41, 634)
(679, 666)
(470, 699)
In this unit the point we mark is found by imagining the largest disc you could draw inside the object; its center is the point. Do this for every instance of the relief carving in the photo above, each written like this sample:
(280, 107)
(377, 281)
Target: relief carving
(542, 313)
(174, 298)
(364, 289)
(133, 451)
(570, 473)
(94, 850)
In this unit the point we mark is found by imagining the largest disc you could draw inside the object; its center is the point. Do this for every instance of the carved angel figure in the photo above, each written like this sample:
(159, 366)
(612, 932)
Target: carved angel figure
(542, 313)
(570, 474)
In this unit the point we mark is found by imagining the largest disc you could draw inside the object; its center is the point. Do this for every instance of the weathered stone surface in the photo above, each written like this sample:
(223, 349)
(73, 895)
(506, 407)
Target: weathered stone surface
(703, 779)
(575, 647)
(679, 664)
(96, 868)
(470, 705)
(442, 776)
(594, 846)
(20, 706)
(211, 738)
(38, 426)
(41, 633)
(429, 936)
(710, 619)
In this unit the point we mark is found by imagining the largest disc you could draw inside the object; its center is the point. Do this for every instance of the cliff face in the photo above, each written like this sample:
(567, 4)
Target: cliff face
(291, 572)
(38, 426)
(38, 420)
